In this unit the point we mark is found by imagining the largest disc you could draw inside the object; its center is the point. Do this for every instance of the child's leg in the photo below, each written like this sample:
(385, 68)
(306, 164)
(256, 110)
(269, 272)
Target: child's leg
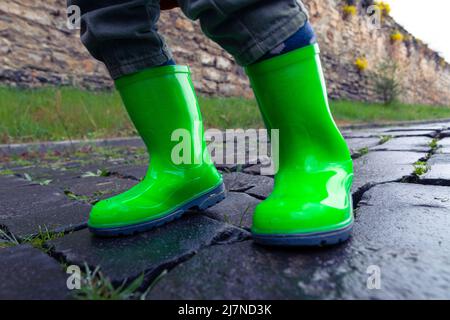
(123, 34)
(247, 29)
(161, 102)
(311, 201)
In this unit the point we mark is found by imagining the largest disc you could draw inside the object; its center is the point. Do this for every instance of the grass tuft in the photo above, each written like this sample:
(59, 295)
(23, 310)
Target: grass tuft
(384, 139)
(96, 286)
(420, 168)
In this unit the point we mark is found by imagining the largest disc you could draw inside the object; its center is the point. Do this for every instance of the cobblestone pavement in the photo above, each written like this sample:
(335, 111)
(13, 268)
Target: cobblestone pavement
(401, 195)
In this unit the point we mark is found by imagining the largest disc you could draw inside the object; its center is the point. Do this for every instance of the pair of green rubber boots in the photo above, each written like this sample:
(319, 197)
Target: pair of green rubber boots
(311, 201)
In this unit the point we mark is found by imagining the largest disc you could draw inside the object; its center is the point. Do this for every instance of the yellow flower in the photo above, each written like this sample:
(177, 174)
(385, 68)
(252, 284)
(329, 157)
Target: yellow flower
(384, 7)
(397, 36)
(361, 63)
(350, 10)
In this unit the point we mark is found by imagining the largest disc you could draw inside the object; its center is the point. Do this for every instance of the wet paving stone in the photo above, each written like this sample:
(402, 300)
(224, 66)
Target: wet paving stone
(136, 172)
(59, 176)
(257, 186)
(400, 230)
(383, 166)
(237, 209)
(29, 274)
(256, 170)
(439, 170)
(97, 188)
(150, 252)
(444, 146)
(417, 144)
(27, 208)
(357, 144)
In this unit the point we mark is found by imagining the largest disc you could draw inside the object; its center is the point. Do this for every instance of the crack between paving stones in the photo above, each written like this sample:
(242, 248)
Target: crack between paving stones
(411, 178)
(123, 176)
(224, 237)
(414, 179)
(358, 194)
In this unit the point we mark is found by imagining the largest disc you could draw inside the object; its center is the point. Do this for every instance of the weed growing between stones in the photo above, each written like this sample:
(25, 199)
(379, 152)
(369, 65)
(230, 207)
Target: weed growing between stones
(363, 151)
(420, 168)
(6, 172)
(434, 145)
(98, 173)
(76, 197)
(38, 241)
(42, 182)
(96, 286)
(384, 139)
(241, 222)
(7, 239)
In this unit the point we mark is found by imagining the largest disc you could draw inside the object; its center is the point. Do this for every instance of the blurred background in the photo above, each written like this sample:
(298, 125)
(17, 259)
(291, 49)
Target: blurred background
(379, 68)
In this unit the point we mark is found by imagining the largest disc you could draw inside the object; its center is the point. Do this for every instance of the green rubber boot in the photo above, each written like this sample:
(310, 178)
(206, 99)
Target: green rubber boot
(163, 106)
(311, 202)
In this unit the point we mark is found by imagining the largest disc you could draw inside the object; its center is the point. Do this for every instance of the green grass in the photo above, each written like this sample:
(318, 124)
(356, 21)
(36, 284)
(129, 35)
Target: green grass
(357, 112)
(69, 113)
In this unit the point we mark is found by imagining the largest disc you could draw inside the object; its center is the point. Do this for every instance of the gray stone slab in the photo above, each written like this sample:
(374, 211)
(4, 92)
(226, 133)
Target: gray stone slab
(254, 185)
(444, 145)
(357, 144)
(29, 274)
(254, 169)
(419, 144)
(237, 209)
(383, 166)
(97, 188)
(136, 172)
(25, 208)
(262, 191)
(402, 229)
(445, 134)
(439, 170)
(9, 182)
(150, 252)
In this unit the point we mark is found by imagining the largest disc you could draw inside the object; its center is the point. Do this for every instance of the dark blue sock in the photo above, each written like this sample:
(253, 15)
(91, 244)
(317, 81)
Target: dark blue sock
(170, 62)
(305, 36)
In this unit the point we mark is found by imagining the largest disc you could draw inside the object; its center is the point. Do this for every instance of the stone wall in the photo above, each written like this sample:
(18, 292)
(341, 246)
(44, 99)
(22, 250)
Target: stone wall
(37, 49)
(423, 74)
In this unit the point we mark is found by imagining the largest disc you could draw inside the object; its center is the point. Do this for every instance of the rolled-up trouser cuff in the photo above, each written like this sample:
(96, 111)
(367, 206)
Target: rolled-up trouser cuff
(128, 67)
(275, 35)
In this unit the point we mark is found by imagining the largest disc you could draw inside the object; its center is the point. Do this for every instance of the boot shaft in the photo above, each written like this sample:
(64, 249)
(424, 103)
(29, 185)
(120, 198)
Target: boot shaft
(162, 105)
(291, 94)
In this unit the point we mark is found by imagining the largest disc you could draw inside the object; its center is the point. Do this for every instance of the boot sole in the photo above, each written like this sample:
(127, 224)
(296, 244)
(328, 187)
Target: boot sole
(201, 203)
(316, 239)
